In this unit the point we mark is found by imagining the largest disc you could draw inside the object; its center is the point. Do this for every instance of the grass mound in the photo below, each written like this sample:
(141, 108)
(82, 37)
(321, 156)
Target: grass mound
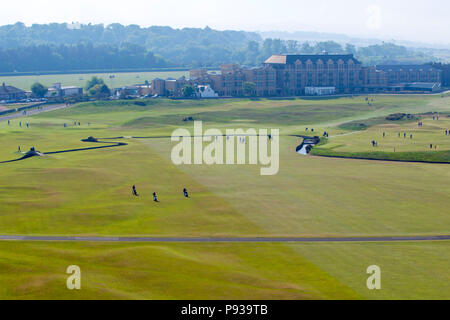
(400, 118)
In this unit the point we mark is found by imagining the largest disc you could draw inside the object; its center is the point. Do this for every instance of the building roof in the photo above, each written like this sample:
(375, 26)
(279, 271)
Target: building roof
(70, 87)
(292, 58)
(4, 89)
(414, 67)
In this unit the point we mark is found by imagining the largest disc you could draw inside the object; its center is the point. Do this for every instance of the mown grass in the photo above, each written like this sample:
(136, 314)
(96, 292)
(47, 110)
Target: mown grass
(398, 141)
(439, 157)
(163, 271)
(89, 193)
(367, 123)
(408, 270)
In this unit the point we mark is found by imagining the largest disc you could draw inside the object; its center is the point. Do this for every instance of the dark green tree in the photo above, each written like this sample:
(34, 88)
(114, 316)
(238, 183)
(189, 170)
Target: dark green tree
(188, 91)
(94, 81)
(100, 91)
(39, 90)
(248, 88)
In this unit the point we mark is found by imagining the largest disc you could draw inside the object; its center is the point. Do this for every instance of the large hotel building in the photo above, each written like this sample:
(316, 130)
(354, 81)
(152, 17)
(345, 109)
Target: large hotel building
(298, 75)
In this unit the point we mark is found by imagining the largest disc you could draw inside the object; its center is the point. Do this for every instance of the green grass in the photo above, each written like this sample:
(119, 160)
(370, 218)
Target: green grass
(408, 270)
(120, 80)
(13, 106)
(393, 145)
(164, 271)
(367, 123)
(438, 157)
(89, 193)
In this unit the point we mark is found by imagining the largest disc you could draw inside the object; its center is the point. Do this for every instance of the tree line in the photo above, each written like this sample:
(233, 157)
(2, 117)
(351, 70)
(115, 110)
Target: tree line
(95, 87)
(63, 47)
(78, 57)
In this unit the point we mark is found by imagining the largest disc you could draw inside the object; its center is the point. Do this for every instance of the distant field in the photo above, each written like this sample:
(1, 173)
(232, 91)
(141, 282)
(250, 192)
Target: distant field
(89, 193)
(121, 79)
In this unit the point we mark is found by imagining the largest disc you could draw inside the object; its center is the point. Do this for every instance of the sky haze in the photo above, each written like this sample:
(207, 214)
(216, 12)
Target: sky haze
(414, 20)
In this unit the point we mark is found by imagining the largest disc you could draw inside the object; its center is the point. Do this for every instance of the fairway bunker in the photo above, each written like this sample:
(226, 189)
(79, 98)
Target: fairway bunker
(29, 154)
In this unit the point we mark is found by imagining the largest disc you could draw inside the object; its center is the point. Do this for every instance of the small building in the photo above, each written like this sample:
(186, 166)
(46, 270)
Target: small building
(320, 91)
(52, 92)
(71, 91)
(145, 90)
(56, 90)
(127, 92)
(159, 87)
(174, 86)
(205, 91)
(10, 93)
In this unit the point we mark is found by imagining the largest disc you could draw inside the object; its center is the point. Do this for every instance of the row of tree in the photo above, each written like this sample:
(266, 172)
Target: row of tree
(95, 87)
(77, 57)
(62, 47)
(87, 56)
(385, 53)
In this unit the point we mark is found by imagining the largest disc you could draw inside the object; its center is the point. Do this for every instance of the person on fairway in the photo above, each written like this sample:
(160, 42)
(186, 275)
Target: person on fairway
(155, 197)
(134, 191)
(186, 194)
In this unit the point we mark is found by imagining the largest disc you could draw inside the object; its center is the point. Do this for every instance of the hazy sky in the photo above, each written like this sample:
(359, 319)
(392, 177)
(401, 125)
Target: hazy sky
(417, 20)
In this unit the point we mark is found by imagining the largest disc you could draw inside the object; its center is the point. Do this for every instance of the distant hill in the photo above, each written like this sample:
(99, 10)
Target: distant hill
(313, 36)
(77, 47)
(17, 35)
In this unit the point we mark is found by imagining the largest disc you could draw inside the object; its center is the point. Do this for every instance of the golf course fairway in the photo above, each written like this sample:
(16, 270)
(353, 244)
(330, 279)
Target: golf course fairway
(88, 193)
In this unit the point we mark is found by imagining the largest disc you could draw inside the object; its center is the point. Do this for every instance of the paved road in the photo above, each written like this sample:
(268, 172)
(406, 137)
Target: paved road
(231, 240)
(33, 112)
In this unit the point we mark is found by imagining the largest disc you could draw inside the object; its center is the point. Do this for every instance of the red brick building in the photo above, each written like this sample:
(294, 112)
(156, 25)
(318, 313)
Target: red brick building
(297, 75)
(296, 72)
